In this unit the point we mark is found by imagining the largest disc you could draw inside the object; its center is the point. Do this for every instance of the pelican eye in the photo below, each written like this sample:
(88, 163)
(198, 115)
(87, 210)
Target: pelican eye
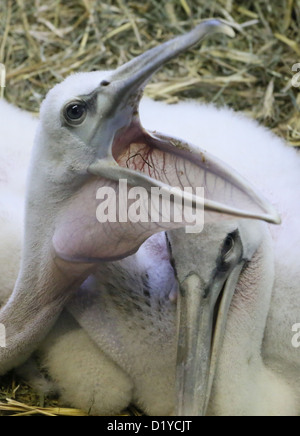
(228, 246)
(231, 252)
(75, 112)
(228, 252)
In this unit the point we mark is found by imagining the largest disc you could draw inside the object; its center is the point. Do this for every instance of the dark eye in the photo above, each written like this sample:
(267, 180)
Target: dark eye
(75, 113)
(231, 252)
(228, 246)
(226, 254)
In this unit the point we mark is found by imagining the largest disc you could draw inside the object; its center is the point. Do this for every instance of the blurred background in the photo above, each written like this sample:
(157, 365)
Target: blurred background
(43, 42)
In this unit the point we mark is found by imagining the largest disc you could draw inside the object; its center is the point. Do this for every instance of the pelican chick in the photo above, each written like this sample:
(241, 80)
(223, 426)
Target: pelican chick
(226, 278)
(88, 138)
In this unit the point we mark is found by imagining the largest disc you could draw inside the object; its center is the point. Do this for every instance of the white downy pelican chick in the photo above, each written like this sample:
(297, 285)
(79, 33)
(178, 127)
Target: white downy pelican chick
(226, 277)
(90, 136)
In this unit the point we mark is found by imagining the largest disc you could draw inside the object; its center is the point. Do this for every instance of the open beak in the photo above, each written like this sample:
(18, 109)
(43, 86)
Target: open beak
(126, 151)
(115, 159)
(201, 326)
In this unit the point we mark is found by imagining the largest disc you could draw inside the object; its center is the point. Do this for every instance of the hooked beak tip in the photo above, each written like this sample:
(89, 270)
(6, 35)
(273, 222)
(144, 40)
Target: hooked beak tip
(278, 220)
(274, 218)
(222, 26)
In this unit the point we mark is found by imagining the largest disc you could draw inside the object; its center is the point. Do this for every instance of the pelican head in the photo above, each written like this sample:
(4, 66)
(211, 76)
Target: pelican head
(209, 268)
(90, 137)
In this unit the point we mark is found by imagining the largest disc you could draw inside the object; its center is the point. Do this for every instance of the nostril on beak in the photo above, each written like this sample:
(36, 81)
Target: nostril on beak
(105, 83)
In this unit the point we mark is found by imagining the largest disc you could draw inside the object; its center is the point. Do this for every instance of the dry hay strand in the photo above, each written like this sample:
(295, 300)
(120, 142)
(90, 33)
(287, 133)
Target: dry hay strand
(15, 408)
(20, 409)
(19, 399)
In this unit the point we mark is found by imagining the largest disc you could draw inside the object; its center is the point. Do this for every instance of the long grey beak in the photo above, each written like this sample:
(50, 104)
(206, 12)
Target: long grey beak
(124, 89)
(138, 72)
(201, 326)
